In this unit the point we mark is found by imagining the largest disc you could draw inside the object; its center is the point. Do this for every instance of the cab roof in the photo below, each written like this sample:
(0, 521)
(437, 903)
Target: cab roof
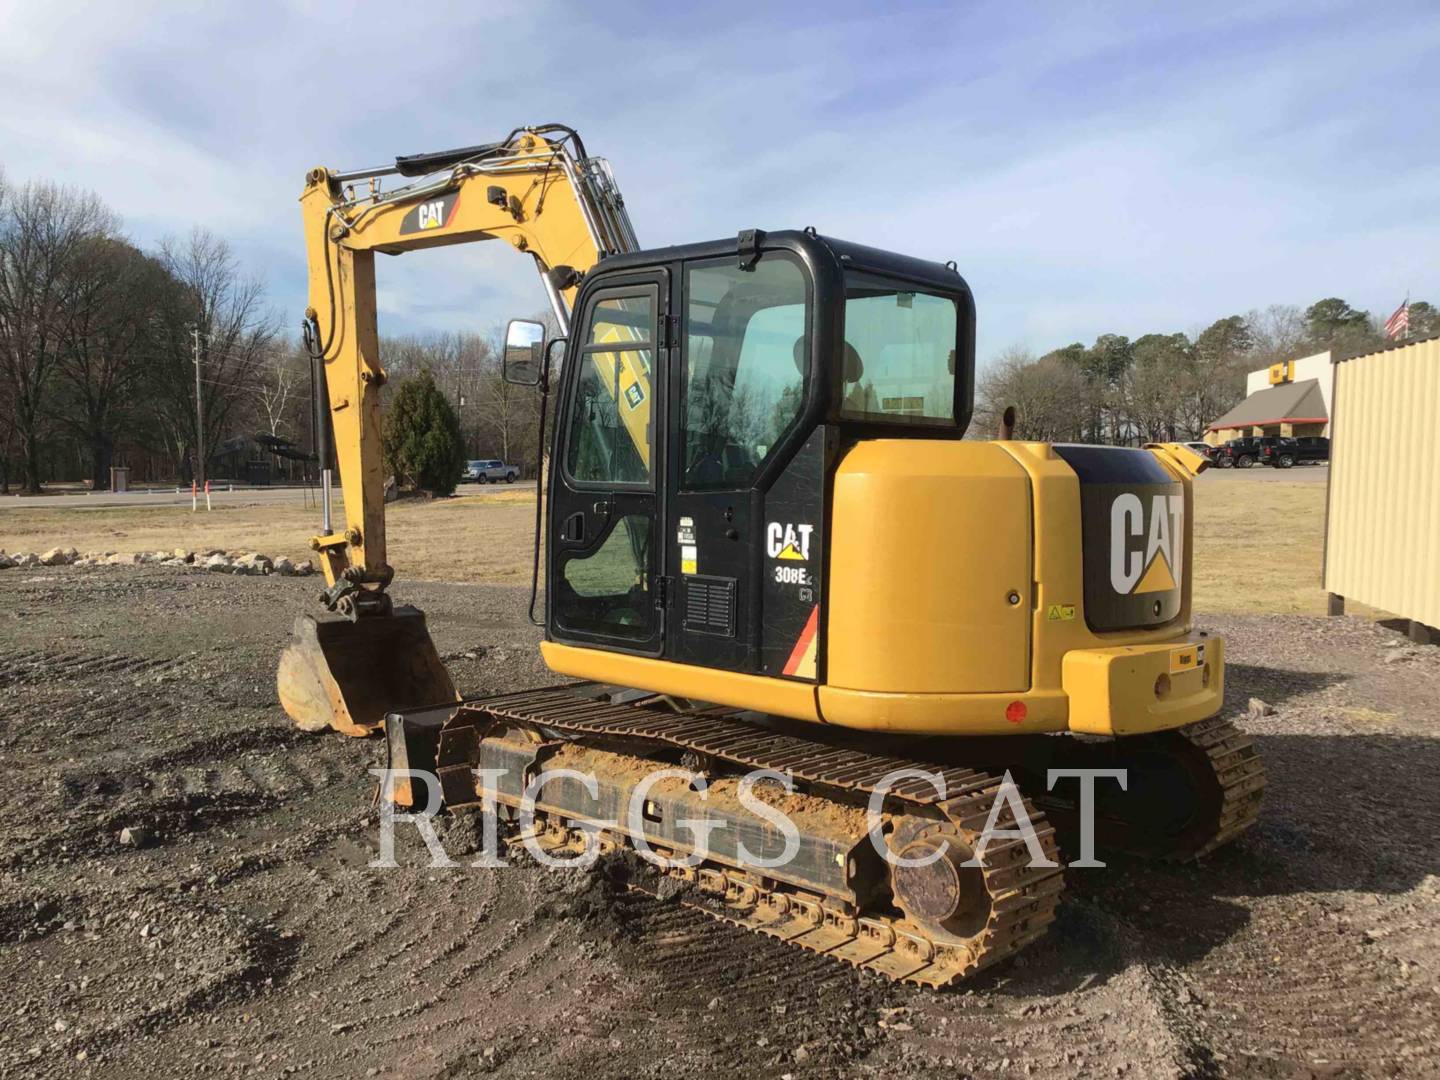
(842, 253)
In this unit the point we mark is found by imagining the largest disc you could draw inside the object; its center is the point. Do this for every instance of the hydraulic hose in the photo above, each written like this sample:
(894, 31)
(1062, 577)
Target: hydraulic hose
(539, 493)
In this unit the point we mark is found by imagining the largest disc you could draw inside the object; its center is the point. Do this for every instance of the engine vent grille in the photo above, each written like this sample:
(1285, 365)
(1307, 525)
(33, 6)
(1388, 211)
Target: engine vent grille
(709, 605)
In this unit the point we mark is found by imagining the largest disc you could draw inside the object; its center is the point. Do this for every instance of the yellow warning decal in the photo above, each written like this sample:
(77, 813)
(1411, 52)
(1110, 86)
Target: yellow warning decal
(1060, 612)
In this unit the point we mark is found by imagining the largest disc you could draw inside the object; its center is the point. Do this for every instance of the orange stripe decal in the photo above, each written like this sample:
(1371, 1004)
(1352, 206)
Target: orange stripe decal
(802, 657)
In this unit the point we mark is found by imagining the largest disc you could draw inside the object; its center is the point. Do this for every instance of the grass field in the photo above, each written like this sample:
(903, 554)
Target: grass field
(1258, 544)
(467, 538)
(1257, 540)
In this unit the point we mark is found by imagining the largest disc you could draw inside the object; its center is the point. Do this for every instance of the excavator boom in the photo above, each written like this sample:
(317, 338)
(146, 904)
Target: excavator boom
(539, 192)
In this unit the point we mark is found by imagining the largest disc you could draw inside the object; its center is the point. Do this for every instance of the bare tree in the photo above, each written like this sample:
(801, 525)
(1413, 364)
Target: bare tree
(224, 307)
(1214, 379)
(44, 229)
(1278, 333)
(1049, 396)
(279, 378)
(507, 416)
(9, 432)
(1150, 394)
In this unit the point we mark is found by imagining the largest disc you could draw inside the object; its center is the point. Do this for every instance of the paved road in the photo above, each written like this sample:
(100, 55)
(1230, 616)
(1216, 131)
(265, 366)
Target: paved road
(249, 497)
(1300, 474)
(85, 501)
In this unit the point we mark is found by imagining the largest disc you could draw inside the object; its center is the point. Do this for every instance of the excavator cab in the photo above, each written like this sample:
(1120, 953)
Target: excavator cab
(707, 393)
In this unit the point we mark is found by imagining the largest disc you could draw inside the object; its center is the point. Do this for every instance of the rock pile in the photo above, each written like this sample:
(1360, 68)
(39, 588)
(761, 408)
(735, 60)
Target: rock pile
(254, 563)
(53, 557)
(214, 559)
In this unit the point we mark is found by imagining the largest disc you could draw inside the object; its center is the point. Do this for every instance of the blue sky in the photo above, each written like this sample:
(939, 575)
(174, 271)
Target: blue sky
(1090, 168)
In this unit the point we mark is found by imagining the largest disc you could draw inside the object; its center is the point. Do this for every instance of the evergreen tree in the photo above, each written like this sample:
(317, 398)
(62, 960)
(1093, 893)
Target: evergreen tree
(422, 441)
(1333, 324)
(1424, 321)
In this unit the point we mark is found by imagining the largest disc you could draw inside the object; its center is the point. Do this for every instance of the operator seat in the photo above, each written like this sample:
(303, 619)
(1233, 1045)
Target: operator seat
(853, 372)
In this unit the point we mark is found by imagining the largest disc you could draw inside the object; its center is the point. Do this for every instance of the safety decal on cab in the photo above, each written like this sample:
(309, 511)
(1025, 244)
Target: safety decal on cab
(788, 542)
(634, 395)
(1060, 612)
(802, 657)
(689, 550)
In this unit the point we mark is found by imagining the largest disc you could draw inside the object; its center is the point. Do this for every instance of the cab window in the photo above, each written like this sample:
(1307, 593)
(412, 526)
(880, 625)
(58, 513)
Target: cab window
(744, 367)
(900, 344)
(611, 430)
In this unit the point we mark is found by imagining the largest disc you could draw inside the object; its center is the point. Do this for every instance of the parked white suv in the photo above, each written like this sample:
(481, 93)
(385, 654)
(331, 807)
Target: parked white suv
(489, 471)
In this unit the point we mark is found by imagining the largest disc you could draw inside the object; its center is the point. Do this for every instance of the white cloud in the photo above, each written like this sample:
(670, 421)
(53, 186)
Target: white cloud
(1088, 171)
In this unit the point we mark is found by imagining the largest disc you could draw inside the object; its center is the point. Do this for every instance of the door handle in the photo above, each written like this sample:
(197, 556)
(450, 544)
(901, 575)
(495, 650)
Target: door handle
(572, 531)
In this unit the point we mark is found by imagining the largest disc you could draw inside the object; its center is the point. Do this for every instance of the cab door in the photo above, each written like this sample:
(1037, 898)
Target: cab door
(607, 561)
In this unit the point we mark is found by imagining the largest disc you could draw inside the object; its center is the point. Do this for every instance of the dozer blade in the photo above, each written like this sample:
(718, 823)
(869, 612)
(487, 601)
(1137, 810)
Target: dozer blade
(347, 675)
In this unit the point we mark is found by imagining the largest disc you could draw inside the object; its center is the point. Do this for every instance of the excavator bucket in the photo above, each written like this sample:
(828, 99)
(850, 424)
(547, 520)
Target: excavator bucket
(347, 675)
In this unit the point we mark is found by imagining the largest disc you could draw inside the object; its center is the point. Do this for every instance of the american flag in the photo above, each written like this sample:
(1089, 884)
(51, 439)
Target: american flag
(1399, 323)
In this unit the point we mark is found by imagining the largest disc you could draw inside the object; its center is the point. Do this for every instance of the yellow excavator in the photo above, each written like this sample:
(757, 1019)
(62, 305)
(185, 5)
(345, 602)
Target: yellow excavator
(768, 545)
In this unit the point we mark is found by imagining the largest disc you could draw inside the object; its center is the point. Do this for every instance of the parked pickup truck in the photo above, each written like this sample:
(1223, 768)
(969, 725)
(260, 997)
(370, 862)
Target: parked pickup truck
(488, 471)
(1287, 452)
(1243, 453)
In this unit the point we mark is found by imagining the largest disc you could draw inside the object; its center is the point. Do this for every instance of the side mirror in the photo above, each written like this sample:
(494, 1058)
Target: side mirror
(524, 361)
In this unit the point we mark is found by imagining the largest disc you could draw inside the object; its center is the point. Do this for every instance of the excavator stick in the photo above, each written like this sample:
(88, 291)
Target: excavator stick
(347, 670)
(346, 675)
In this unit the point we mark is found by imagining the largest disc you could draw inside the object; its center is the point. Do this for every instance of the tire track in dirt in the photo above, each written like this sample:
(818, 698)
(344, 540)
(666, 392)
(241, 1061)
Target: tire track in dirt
(1348, 1000)
(40, 666)
(293, 954)
(222, 958)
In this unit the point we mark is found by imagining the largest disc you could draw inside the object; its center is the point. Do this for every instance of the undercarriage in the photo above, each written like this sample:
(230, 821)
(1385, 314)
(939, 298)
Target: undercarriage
(924, 870)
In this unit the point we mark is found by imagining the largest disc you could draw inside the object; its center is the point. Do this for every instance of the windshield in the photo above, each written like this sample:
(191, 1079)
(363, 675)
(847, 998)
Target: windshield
(899, 352)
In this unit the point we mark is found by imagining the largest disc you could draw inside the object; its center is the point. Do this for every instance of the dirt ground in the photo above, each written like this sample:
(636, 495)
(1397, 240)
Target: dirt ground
(247, 935)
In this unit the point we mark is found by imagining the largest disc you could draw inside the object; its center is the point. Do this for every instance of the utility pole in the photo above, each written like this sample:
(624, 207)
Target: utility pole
(460, 404)
(199, 411)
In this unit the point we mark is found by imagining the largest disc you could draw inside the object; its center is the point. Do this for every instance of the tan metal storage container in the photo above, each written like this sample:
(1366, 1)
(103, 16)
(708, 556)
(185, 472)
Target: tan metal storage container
(1382, 522)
